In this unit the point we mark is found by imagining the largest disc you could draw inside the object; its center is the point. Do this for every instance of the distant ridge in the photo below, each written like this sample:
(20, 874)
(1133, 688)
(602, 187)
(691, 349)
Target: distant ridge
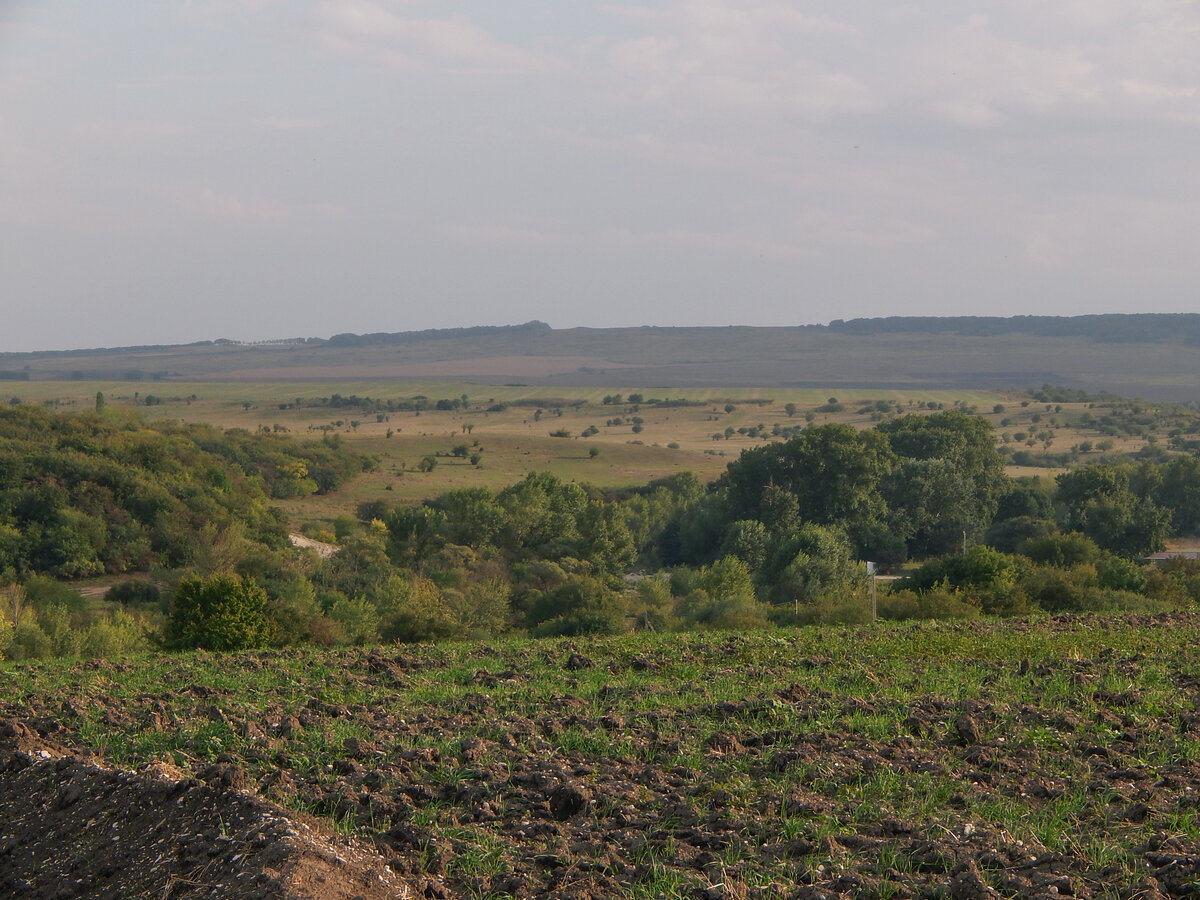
(1148, 355)
(1105, 328)
(1109, 328)
(532, 328)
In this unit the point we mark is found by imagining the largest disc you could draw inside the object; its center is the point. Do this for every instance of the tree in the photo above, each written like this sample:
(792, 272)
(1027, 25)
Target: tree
(413, 534)
(358, 618)
(1179, 491)
(543, 515)
(1099, 500)
(748, 541)
(222, 612)
(932, 506)
(811, 563)
(833, 471)
(948, 481)
(473, 516)
(722, 596)
(966, 441)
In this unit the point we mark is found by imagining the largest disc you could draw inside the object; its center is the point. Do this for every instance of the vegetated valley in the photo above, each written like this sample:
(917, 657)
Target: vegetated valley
(522, 683)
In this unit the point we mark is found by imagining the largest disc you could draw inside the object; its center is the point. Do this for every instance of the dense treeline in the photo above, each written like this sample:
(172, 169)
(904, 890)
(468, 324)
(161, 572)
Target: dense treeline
(781, 538)
(84, 495)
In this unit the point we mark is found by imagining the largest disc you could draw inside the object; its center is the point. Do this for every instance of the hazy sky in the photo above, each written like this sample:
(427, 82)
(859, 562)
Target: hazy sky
(181, 170)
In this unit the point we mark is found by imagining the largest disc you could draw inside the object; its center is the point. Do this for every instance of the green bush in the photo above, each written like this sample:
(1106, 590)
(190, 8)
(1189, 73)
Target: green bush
(222, 612)
(1062, 590)
(30, 642)
(1061, 550)
(131, 592)
(358, 619)
(117, 635)
(938, 603)
(583, 605)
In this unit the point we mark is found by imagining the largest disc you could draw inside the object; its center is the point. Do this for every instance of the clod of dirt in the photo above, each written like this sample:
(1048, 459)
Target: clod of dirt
(724, 743)
(577, 661)
(569, 800)
(967, 884)
(70, 827)
(967, 729)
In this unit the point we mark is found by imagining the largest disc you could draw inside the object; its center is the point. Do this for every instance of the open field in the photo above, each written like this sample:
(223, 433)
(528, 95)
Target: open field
(509, 427)
(1029, 758)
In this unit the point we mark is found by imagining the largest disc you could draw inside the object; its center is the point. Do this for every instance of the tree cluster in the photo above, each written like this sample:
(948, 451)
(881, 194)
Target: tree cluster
(90, 494)
(781, 538)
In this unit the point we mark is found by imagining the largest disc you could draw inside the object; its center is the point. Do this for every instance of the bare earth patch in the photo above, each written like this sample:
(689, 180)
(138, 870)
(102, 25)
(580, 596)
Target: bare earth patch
(322, 549)
(71, 826)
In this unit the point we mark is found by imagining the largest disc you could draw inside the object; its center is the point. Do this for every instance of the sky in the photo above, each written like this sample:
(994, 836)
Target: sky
(183, 170)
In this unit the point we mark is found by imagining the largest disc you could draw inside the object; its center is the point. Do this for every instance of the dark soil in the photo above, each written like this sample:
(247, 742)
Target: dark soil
(1040, 777)
(71, 827)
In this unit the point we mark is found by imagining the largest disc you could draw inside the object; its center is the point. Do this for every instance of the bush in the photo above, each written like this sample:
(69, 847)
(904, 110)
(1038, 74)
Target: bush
(30, 642)
(6, 634)
(129, 592)
(1060, 550)
(583, 605)
(738, 612)
(933, 604)
(1008, 534)
(223, 612)
(118, 635)
(358, 619)
(415, 611)
(1061, 589)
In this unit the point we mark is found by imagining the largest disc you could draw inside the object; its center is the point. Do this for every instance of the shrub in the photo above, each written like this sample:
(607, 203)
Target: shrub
(223, 612)
(130, 592)
(358, 619)
(30, 642)
(118, 635)
(1060, 550)
(583, 605)
(1062, 589)
(933, 604)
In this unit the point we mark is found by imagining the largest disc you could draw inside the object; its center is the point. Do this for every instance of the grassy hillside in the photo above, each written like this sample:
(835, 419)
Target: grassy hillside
(892, 761)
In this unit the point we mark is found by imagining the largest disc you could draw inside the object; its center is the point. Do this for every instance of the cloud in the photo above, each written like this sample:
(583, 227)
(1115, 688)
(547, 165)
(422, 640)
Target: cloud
(215, 204)
(713, 55)
(974, 76)
(1151, 91)
(510, 235)
(1101, 61)
(289, 123)
(365, 26)
(1112, 231)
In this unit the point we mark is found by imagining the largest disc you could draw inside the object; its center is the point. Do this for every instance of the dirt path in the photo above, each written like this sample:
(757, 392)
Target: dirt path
(323, 550)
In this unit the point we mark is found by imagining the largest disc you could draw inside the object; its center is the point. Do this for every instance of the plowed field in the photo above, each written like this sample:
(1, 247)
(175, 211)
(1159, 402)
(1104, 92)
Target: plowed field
(1032, 758)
